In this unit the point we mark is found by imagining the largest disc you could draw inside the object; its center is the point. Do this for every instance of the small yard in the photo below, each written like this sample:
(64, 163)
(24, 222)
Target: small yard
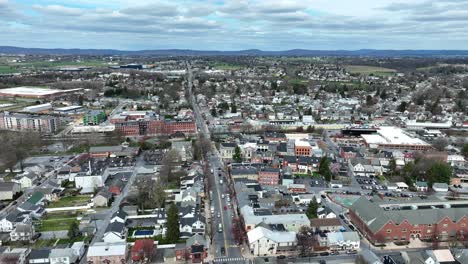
(70, 201)
(306, 175)
(55, 223)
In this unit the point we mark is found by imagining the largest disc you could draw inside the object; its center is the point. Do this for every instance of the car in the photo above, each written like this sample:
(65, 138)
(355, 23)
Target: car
(341, 216)
(219, 215)
(281, 257)
(312, 255)
(223, 250)
(335, 252)
(222, 195)
(351, 227)
(351, 252)
(225, 208)
(324, 254)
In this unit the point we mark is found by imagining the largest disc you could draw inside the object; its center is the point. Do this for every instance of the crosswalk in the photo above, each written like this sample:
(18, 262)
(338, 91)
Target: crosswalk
(230, 260)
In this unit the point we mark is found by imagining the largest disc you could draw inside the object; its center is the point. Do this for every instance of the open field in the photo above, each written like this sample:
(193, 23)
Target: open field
(366, 70)
(5, 69)
(224, 66)
(55, 224)
(70, 201)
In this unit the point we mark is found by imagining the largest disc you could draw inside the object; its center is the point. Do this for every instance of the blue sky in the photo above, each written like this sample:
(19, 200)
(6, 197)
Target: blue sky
(235, 24)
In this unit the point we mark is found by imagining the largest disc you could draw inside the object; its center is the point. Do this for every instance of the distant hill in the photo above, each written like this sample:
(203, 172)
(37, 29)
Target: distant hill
(250, 52)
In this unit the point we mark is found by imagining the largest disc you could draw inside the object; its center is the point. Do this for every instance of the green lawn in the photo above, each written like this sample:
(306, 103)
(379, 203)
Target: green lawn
(304, 175)
(4, 69)
(366, 70)
(68, 201)
(55, 224)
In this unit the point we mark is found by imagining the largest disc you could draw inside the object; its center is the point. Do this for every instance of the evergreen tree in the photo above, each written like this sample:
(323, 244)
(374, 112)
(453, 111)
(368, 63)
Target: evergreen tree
(173, 231)
(324, 168)
(237, 157)
(312, 209)
(73, 230)
(233, 108)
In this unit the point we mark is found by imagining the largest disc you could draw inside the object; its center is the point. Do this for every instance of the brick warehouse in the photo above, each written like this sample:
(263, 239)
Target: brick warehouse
(396, 221)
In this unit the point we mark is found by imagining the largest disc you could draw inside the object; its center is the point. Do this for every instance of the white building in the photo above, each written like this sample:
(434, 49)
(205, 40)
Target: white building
(265, 242)
(343, 240)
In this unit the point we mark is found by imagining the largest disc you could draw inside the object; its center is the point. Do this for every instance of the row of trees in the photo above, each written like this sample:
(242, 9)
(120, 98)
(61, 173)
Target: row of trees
(16, 146)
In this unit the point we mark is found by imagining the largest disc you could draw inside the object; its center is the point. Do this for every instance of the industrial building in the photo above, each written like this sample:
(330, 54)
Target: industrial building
(35, 92)
(394, 138)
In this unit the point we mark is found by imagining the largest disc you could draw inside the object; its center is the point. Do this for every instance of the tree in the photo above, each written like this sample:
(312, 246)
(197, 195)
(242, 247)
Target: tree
(172, 225)
(305, 240)
(465, 150)
(213, 111)
(440, 144)
(324, 168)
(233, 107)
(402, 107)
(439, 172)
(392, 166)
(312, 209)
(73, 230)
(159, 195)
(237, 157)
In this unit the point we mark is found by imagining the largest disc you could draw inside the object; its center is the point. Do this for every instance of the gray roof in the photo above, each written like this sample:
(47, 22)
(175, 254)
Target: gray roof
(372, 211)
(7, 186)
(116, 227)
(39, 254)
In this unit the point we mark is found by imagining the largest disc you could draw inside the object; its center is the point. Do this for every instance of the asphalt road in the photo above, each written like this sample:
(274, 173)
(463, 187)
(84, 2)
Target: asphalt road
(224, 239)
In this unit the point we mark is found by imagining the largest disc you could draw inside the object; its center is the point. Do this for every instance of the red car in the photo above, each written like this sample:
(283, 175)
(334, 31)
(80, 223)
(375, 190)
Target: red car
(225, 208)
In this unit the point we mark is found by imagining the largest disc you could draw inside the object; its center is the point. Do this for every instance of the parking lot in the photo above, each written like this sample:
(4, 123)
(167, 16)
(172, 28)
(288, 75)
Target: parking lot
(370, 184)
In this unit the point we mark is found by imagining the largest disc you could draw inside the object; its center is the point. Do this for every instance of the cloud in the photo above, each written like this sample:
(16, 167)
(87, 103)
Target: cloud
(225, 24)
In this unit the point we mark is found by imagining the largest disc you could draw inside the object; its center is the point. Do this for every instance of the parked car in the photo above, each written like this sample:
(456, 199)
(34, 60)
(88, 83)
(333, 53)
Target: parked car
(351, 252)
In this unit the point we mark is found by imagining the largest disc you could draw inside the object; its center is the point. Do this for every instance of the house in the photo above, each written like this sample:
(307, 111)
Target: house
(194, 249)
(304, 199)
(421, 186)
(326, 224)
(116, 187)
(440, 187)
(102, 198)
(369, 257)
(325, 212)
(14, 255)
(22, 232)
(343, 240)
(361, 167)
(227, 150)
(244, 172)
(292, 222)
(115, 232)
(109, 253)
(8, 190)
(27, 180)
(266, 242)
(8, 223)
(119, 216)
(51, 194)
(39, 256)
(348, 152)
(143, 250)
(79, 249)
(62, 256)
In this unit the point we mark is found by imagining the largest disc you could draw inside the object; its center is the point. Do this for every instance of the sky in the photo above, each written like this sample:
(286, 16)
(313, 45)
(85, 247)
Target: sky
(235, 24)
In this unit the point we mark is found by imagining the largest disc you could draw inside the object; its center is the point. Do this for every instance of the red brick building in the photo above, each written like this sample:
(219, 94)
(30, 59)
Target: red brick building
(396, 221)
(269, 176)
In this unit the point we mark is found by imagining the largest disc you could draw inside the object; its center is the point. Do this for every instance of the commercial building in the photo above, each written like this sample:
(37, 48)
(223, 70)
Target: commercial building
(395, 221)
(29, 122)
(264, 240)
(394, 138)
(94, 117)
(142, 123)
(302, 148)
(36, 92)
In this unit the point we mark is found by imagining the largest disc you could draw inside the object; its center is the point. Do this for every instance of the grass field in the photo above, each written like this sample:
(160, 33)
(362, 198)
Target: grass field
(70, 201)
(55, 223)
(5, 69)
(224, 66)
(366, 70)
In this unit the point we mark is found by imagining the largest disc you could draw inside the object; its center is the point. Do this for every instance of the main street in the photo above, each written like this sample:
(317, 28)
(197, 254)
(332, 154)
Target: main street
(224, 246)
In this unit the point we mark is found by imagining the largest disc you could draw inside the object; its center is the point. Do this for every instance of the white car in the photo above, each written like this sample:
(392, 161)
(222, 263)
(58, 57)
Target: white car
(222, 195)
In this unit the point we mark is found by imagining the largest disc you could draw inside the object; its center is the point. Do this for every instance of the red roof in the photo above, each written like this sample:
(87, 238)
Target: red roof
(142, 247)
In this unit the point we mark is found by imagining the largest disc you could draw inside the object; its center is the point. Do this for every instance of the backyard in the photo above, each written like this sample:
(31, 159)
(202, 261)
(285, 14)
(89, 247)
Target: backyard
(69, 201)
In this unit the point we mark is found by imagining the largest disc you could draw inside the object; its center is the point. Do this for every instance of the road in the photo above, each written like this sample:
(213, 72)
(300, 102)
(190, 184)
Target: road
(225, 238)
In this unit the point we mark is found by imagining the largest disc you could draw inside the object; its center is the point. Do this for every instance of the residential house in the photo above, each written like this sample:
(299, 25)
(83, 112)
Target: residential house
(119, 216)
(27, 180)
(22, 232)
(109, 253)
(8, 223)
(244, 172)
(115, 232)
(292, 222)
(326, 224)
(14, 255)
(62, 256)
(325, 212)
(143, 250)
(102, 198)
(194, 249)
(116, 187)
(347, 152)
(343, 240)
(267, 242)
(227, 150)
(361, 167)
(8, 190)
(39, 256)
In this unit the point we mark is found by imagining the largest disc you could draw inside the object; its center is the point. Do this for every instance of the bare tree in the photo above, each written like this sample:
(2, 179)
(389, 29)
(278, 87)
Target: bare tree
(440, 144)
